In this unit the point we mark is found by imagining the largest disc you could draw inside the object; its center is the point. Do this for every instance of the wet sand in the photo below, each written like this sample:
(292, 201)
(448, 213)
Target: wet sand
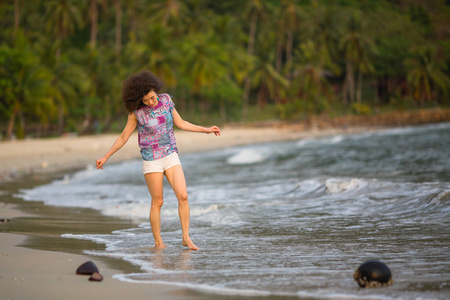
(38, 274)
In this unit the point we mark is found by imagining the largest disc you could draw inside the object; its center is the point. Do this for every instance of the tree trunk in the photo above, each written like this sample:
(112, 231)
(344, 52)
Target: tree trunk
(21, 130)
(375, 92)
(428, 95)
(251, 42)
(12, 121)
(16, 17)
(289, 47)
(263, 94)
(58, 49)
(344, 89)
(351, 82)
(279, 53)
(165, 19)
(389, 88)
(118, 30)
(223, 111)
(133, 23)
(245, 103)
(60, 119)
(278, 62)
(359, 87)
(94, 23)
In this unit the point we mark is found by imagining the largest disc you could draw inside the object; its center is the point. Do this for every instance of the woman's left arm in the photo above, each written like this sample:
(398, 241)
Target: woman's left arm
(184, 125)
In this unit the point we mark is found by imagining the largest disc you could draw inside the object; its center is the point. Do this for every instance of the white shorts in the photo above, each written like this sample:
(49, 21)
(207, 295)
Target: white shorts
(160, 165)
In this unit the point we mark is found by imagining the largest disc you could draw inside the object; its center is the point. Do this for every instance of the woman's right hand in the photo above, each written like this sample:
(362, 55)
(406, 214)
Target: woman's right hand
(100, 162)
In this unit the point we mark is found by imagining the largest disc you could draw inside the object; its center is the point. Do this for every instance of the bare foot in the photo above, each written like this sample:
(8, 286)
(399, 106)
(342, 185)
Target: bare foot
(189, 244)
(158, 247)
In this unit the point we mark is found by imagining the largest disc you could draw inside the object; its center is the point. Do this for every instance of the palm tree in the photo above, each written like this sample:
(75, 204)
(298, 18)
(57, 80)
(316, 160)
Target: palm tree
(169, 13)
(205, 61)
(425, 75)
(69, 82)
(30, 89)
(326, 37)
(268, 81)
(290, 20)
(16, 16)
(101, 86)
(310, 81)
(257, 10)
(280, 40)
(63, 18)
(228, 34)
(133, 11)
(227, 91)
(93, 20)
(160, 55)
(270, 84)
(355, 46)
(204, 68)
(118, 9)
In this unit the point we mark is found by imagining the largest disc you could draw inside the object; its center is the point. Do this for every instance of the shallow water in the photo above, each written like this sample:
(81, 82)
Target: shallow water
(294, 218)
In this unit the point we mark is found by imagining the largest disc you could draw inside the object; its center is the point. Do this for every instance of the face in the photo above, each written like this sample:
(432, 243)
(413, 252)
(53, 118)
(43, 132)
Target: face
(151, 99)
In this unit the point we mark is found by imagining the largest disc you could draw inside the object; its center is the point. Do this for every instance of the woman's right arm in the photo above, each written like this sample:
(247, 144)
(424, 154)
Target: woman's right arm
(121, 140)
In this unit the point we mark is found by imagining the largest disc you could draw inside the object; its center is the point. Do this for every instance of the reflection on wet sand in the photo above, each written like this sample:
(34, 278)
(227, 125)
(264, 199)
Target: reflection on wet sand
(165, 260)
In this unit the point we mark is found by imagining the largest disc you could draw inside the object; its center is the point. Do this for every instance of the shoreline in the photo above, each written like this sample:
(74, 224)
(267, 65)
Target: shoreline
(25, 270)
(44, 156)
(66, 154)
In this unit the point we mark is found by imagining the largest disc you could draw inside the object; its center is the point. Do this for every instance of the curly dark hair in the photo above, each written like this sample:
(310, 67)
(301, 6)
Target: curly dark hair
(136, 86)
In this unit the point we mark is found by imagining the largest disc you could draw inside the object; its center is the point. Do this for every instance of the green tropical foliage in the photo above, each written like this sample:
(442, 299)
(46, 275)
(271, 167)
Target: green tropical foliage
(62, 62)
(425, 76)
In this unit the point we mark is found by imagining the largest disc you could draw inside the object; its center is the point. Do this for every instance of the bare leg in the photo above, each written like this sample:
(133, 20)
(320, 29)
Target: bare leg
(155, 187)
(175, 176)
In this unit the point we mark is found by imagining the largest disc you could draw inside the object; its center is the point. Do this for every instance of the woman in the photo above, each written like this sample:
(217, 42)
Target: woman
(155, 114)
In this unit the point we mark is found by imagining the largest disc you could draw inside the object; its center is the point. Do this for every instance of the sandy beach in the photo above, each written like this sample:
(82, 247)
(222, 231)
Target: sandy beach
(40, 274)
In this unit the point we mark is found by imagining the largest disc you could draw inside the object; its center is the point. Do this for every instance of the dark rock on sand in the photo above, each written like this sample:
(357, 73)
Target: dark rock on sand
(96, 277)
(372, 274)
(88, 268)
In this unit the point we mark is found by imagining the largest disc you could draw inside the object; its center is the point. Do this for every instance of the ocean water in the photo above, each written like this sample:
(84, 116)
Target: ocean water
(287, 219)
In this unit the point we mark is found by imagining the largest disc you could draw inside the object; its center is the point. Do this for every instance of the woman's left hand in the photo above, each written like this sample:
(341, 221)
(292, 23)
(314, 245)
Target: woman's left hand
(214, 129)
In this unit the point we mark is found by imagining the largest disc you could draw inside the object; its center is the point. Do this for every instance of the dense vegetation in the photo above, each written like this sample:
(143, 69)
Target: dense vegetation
(62, 62)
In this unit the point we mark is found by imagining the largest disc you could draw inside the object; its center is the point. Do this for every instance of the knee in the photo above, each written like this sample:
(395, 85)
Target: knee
(157, 201)
(183, 198)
